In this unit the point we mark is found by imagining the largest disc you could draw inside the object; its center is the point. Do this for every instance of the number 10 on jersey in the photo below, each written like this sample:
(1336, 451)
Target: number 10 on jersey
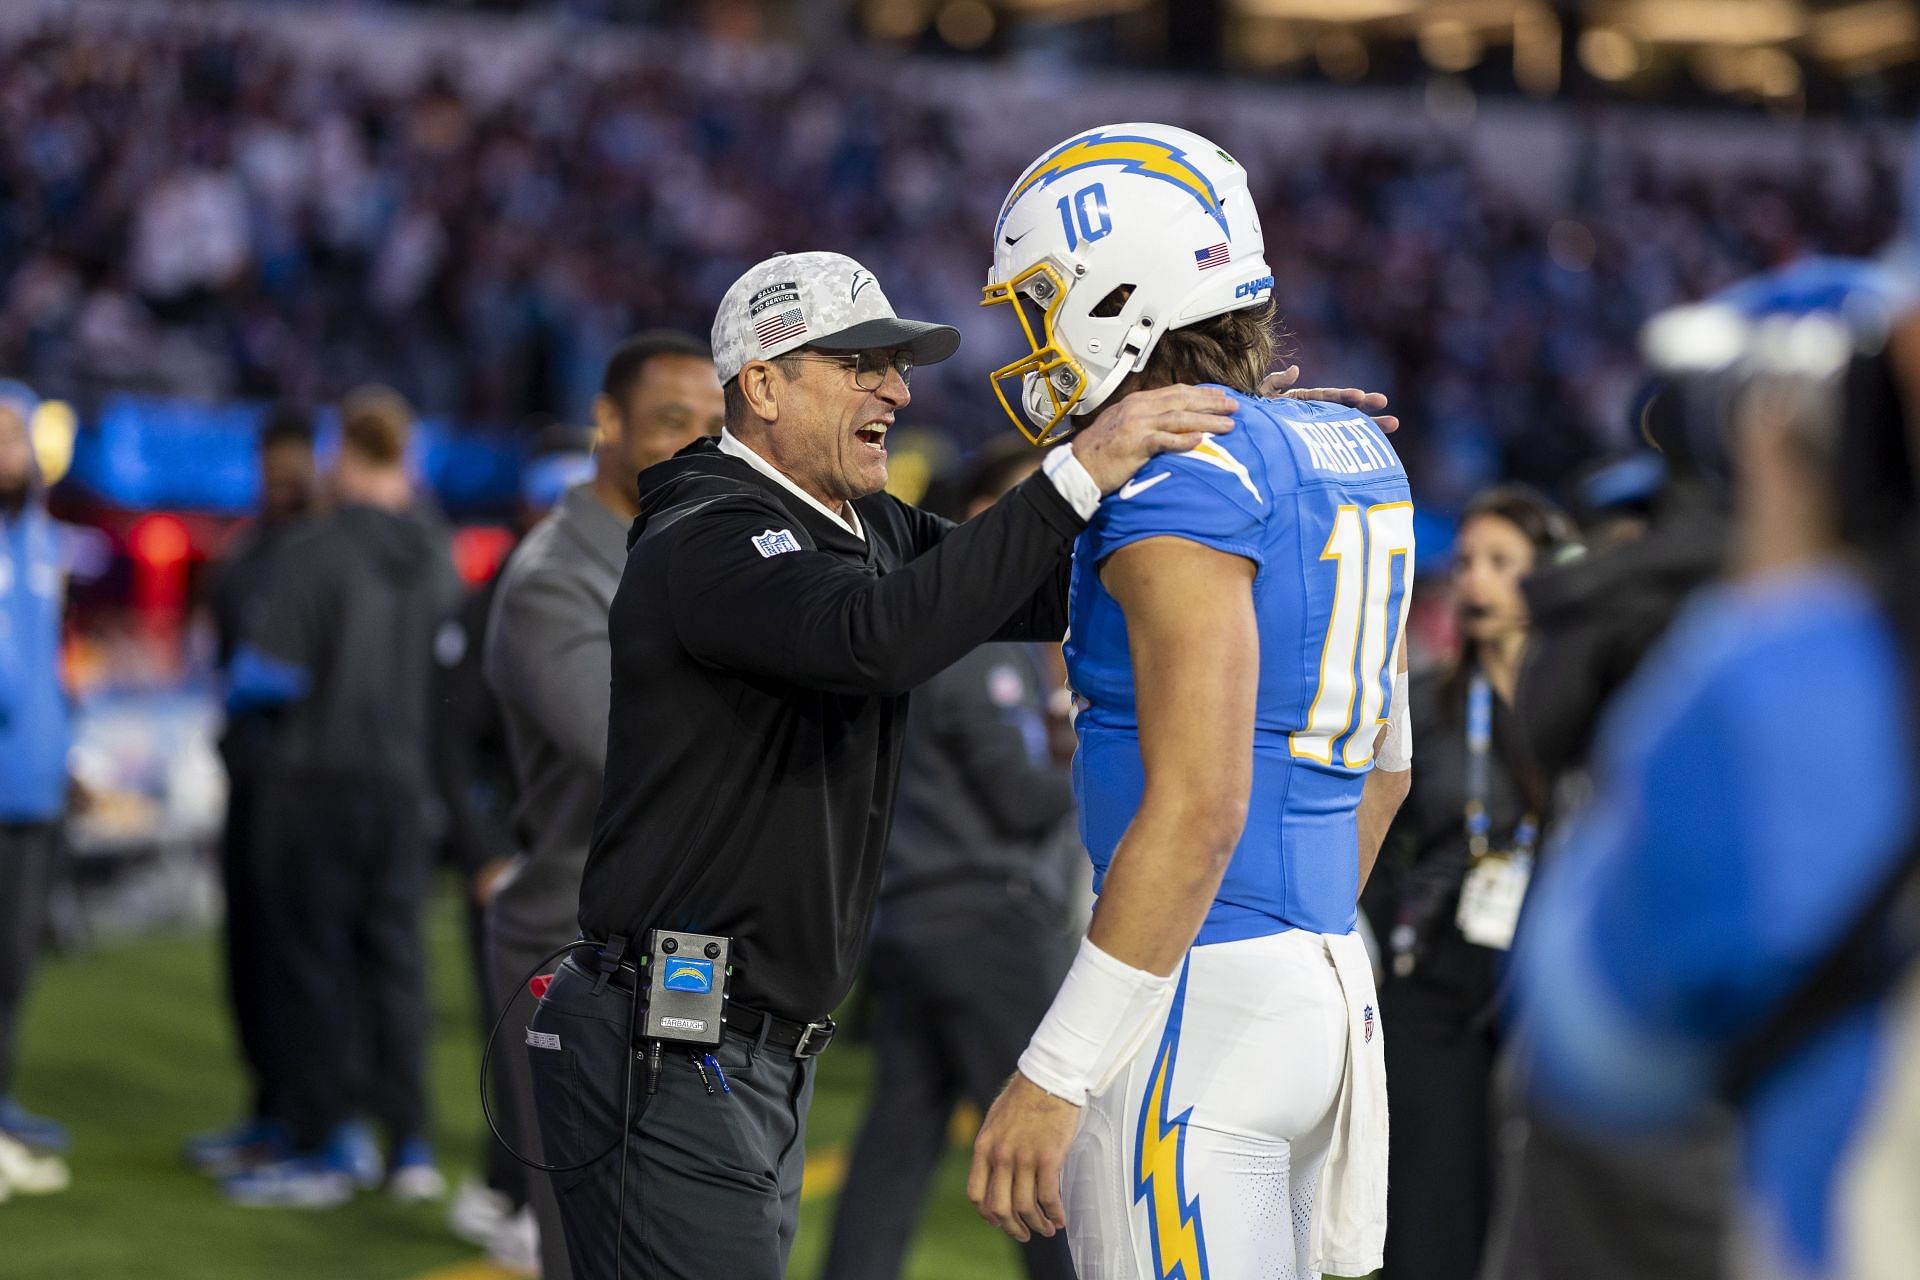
(1353, 660)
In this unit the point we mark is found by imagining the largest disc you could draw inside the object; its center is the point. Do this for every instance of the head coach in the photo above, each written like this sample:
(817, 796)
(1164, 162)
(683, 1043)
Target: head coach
(775, 609)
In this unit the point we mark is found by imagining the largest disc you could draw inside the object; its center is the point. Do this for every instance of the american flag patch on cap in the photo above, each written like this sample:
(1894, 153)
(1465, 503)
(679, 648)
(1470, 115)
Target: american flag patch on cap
(791, 323)
(1206, 259)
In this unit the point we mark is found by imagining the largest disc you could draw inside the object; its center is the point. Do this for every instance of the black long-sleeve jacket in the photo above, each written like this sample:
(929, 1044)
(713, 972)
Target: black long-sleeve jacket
(762, 656)
(983, 805)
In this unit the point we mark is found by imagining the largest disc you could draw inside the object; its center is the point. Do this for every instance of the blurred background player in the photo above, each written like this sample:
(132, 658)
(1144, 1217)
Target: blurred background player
(548, 661)
(1474, 796)
(34, 734)
(1754, 802)
(345, 645)
(1220, 1004)
(981, 861)
(288, 492)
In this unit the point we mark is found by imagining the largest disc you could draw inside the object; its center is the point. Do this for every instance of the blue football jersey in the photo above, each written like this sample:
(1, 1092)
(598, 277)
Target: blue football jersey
(1314, 495)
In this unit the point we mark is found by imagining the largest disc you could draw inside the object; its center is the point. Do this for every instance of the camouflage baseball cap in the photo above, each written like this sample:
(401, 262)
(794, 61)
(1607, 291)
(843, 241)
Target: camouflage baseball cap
(822, 300)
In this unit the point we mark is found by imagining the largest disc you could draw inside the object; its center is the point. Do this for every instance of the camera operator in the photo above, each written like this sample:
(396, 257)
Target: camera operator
(1716, 922)
(1569, 1207)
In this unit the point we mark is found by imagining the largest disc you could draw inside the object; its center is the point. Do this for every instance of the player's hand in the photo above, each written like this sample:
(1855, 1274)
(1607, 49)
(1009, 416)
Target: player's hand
(1017, 1159)
(1368, 402)
(1126, 435)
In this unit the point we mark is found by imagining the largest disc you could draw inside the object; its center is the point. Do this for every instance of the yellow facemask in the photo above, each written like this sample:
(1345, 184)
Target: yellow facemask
(1059, 373)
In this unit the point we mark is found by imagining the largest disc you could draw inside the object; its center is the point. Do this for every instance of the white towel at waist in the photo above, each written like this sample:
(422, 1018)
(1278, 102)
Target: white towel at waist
(1350, 1211)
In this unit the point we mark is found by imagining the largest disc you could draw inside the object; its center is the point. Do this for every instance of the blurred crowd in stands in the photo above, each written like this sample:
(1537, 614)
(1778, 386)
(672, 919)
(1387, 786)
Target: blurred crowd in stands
(231, 214)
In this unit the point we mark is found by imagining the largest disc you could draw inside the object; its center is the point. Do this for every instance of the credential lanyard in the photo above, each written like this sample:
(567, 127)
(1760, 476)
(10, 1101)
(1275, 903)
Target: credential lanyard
(1479, 746)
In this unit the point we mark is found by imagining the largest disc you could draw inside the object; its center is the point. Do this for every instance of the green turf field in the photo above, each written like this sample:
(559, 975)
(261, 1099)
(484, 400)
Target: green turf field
(129, 1044)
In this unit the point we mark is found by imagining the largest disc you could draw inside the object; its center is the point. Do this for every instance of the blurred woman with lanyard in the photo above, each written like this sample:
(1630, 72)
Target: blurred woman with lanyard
(1446, 896)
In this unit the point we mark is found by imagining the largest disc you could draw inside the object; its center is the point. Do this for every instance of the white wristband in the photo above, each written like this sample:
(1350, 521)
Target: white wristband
(1074, 482)
(1396, 750)
(1105, 1011)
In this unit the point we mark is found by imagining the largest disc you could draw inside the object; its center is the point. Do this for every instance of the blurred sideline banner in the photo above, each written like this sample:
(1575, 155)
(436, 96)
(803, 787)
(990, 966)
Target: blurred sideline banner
(149, 453)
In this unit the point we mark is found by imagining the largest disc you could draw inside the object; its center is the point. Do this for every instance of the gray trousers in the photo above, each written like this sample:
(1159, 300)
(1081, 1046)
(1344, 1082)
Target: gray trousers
(27, 853)
(712, 1181)
(510, 958)
(1573, 1207)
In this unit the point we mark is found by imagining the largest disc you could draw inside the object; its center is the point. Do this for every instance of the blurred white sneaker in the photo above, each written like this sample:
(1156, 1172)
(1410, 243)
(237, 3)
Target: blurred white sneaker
(28, 1174)
(412, 1177)
(516, 1245)
(477, 1212)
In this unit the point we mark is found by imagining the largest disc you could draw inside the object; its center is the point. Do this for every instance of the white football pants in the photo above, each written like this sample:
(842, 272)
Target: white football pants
(1201, 1161)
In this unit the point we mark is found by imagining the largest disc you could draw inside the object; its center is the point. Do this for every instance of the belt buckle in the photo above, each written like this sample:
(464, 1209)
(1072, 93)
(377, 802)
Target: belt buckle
(807, 1033)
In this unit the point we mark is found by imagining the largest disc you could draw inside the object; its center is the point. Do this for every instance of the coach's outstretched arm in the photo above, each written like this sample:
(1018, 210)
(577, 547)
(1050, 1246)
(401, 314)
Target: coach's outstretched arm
(842, 630)
(1191, 627)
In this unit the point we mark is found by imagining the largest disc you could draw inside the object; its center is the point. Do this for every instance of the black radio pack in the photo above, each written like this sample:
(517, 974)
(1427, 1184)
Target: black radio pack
(686, 987)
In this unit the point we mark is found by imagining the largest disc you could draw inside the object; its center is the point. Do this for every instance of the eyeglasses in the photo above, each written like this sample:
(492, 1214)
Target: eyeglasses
(869, 368)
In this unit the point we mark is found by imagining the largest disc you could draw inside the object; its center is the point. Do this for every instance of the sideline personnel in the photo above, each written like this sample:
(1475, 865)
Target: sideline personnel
(775, 610)
(547, 661)
(345, 645)
(35, 732)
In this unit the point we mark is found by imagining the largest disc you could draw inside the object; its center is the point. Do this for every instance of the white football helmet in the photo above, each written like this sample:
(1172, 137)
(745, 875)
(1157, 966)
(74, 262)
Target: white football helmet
(1108, 241)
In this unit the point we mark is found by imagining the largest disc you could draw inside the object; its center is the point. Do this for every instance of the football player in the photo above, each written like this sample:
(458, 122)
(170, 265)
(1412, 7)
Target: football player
(1236, 655)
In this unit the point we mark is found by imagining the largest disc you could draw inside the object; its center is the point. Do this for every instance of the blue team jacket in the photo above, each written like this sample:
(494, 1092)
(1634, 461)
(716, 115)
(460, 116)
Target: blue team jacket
(1751, 790)
(35, 727)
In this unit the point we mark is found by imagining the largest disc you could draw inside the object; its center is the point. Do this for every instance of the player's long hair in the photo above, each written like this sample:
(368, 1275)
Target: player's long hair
(1235, 350)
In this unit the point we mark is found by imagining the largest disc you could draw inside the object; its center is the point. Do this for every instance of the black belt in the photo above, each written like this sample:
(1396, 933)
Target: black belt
(801, 1039)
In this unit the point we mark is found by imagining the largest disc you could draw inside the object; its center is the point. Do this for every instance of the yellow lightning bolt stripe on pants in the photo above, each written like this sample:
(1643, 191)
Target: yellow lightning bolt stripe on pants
(1179, 1244)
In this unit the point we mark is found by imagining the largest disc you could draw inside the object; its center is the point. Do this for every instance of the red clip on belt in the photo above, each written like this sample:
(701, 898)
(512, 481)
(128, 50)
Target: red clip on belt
(539, 985)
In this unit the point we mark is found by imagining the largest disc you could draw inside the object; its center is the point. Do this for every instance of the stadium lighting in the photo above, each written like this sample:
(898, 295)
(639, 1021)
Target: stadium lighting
(1868, 36)
(1329, 10)
(1536, 50)
(1740, 22)
(1450, 45)
(1609, 53)
(896, 19)
(964, 24)
(1265, 43)
(1069, 10)
(1341, 55)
